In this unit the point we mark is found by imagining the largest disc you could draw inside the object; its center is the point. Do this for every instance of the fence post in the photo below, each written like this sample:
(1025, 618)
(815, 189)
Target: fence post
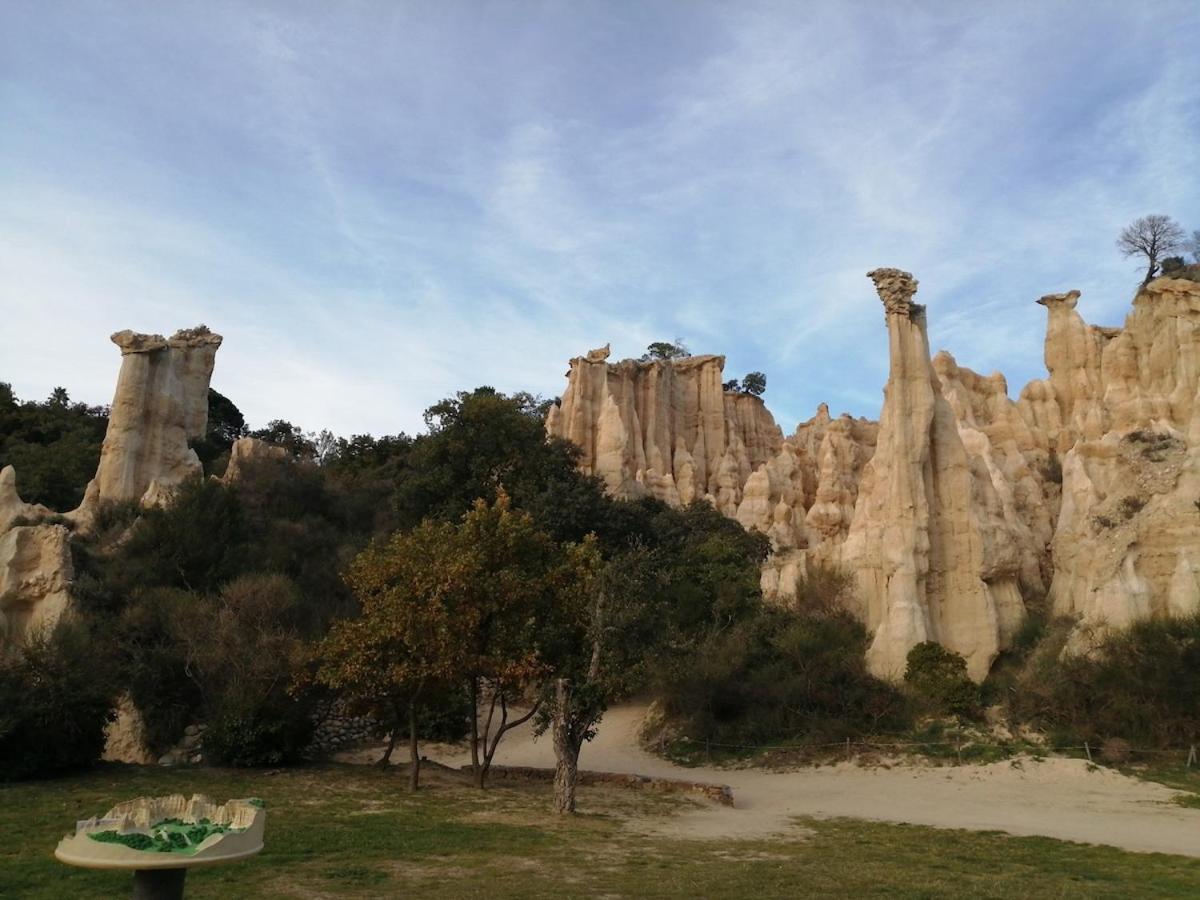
(1088, 750)
(847, 749)
(706, 749)
(958, 745)
(1191, 756)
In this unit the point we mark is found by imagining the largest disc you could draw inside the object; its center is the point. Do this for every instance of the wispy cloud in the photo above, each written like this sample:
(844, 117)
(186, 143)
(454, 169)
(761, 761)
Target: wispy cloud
(379, 204)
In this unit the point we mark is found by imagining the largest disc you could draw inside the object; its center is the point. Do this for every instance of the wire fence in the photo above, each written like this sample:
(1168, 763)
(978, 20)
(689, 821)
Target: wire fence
(1189, 753)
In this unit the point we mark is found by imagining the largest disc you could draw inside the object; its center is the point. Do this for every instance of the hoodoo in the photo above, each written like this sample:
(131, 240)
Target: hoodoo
(959, 505)
(932, 554)
(160, 407)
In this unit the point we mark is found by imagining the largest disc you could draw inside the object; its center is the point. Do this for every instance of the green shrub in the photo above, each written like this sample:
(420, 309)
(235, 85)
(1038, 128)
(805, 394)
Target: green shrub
(1139, 685)
(938, 677)
(154, 663)
(780, 676)
(242, 650)
(268, 734)
(55, 701)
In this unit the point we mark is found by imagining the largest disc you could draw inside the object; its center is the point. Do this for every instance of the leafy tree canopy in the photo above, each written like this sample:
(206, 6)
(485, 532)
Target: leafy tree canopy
(666, 350)
(54, 446)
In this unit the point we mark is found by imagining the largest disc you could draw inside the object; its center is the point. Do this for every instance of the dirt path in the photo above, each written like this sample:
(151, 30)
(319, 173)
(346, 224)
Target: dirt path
(1056, 798)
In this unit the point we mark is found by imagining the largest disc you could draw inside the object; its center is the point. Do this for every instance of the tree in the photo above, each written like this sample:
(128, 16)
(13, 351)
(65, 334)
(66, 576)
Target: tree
(473, 602)
(1194, 245)
(412, 632)
(284, 434)
(225, 425)
(225, 421)
(53, 445)
(242, 647)
(754, 383)
(608, 624)
(522, 582)
(478, 441)
(733, 385)
(666, 350)
(1152, 237)
(1172, 265)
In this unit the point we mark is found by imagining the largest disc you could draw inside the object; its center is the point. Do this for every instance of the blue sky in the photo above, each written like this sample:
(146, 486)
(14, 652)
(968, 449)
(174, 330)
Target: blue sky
(380, 203)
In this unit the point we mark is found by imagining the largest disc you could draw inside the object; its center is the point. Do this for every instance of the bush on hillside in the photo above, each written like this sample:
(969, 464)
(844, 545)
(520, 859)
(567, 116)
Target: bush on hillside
(55, 701)
(938, 678)
(780, 676)
(1138, 685)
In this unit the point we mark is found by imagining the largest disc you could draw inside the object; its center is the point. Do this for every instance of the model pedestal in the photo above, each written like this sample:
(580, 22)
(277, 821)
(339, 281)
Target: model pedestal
(160, 838)
(158, 884)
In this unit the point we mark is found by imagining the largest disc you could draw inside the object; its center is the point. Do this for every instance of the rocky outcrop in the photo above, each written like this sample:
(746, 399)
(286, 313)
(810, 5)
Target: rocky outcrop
(665, 428)
(125, 735)
(160, 406)
(1120, 407)
(944, 510)
(12, 507)
(247, 452)
(934, 558)
(35, 580)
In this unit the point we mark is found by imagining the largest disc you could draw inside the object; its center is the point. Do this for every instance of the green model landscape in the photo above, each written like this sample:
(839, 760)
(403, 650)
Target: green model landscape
(167, 836)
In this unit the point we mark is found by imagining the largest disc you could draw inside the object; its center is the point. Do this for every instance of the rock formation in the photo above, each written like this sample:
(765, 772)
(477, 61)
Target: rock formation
(161, 404)
(933, 555)
(35, 579)
(1120, 409)
(246, 452)
(958, 505)
(665, 428)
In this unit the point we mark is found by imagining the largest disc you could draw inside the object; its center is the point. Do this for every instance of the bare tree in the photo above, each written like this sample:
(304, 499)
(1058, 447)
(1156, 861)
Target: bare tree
(1152, 237)
(1194, 245)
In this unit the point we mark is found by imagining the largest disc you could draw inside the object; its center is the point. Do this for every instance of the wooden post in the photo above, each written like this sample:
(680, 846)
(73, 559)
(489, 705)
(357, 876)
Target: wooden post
(847, 749)
(958, 745)
(1088, 750)
(706, 757)
(1191, 756)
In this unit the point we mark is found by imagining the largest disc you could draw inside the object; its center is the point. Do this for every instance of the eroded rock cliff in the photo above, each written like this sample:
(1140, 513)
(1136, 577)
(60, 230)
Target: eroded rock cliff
(1121, 408)
(930, 546)
(665, 428)
(160, 405)
(959, 505)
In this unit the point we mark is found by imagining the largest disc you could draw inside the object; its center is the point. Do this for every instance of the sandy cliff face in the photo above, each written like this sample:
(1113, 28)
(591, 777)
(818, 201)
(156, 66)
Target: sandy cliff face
(930, 546)
(35, 580)
(1120, 407)
(664, 428)
(161, 403)
(959, 504)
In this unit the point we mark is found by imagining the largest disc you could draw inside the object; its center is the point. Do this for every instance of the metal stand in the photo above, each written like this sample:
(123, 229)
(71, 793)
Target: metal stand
(158, 884)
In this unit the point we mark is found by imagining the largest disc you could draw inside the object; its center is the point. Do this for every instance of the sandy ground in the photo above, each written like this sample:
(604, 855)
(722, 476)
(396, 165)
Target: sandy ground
(1056, 798)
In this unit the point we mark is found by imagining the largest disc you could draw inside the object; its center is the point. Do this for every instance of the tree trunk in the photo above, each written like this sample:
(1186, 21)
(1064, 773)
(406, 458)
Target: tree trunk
(475, 726)
(387, 754)
(414, 756)
(566, 752)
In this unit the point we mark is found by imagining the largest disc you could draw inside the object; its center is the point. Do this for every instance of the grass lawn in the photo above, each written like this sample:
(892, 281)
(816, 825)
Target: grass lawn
(349, 831)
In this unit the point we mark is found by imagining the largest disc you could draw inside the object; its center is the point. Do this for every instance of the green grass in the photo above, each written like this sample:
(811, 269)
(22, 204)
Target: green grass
(1174, 775)
(340, 831)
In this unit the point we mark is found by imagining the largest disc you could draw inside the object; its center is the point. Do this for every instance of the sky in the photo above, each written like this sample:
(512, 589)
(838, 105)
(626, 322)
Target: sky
(379, 204)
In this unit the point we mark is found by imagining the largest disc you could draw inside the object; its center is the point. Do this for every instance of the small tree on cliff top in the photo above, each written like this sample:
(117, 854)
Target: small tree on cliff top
(1152, 237)
(754, 383)
(666, 350)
